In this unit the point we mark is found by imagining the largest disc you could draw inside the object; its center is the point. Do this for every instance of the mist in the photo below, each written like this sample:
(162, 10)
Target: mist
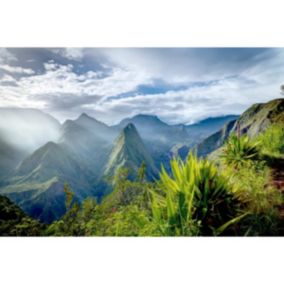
(27, 129)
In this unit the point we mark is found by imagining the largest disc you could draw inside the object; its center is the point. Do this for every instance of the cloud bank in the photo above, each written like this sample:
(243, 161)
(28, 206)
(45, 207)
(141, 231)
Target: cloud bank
(178, 85)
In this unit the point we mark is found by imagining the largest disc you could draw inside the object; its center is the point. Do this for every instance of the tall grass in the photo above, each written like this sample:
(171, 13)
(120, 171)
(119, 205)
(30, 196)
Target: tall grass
(250, 178)
(272, 141)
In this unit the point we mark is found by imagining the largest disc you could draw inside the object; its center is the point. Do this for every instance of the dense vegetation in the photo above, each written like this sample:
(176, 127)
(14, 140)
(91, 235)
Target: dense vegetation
(232, 195)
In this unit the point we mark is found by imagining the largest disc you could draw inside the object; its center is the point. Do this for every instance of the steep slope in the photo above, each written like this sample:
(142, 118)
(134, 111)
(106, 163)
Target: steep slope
(130, 152)
(89, 140)
(37, 184)
(252, 122)
(10, 156)
(215, 140)
(259, 116)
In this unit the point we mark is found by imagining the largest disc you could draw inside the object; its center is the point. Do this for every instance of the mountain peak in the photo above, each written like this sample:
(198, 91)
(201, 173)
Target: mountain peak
(129, 151)
(130, 127)
(146, 116)
(84, 116)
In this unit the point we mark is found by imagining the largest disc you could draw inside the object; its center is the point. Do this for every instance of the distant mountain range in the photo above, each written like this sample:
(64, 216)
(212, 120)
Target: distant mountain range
(38, 155)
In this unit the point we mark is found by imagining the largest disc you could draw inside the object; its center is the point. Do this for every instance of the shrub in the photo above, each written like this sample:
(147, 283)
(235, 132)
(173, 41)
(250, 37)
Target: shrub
(239, 150)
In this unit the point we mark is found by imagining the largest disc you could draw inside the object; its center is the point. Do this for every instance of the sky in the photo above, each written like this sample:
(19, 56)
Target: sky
(179, 85)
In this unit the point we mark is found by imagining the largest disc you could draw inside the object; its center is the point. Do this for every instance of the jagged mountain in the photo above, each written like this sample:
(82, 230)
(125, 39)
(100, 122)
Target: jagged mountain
(85, 152)
(37, 184)
(165, 141)
(252, 122)
(78, 158)
(130, 152)
(89, 140)
(154, 131)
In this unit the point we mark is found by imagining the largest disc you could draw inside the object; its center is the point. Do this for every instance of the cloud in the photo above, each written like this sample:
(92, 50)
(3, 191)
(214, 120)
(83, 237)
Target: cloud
(6, 56)
(76, 54)
(16, 69)
(176, 65)
(179, 85)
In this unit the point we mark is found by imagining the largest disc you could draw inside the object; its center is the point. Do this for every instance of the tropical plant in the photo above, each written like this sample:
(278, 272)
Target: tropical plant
(194, 199)
(239, 150)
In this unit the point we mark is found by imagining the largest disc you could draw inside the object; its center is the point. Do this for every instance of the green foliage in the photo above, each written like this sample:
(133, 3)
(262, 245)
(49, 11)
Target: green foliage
(272, 140)
(251, 185)
(195, 199)
(14, 222)
(239, 150)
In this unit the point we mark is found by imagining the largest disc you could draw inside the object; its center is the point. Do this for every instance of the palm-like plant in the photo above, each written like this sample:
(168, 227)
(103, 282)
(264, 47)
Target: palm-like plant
(193, 200)
(239, 150)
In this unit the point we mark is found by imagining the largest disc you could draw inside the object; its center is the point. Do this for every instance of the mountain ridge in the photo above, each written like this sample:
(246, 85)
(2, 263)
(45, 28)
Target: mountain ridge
(129, 151)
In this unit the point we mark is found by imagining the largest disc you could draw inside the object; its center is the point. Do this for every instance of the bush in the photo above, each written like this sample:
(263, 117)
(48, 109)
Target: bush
(239, 150)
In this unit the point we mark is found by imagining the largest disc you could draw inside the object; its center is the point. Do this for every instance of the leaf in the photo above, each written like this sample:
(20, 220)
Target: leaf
(233, 221)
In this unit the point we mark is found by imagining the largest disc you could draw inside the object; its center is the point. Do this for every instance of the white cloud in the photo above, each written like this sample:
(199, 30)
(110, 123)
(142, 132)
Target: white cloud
(7, 79)
(6, 56)
(240, 79)
(76, 54)
(16, 69)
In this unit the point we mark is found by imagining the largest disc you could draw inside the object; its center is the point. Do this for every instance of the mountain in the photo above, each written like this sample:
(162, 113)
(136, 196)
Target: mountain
(153, 130)
(259, 116)
(208, 126)
(99, 129)
(130, 152)
(215, 140)
(21, 132)
(78, 158)
(89, 140)
(37, 184)
(10, 156)
(165, 141)
(252, 122)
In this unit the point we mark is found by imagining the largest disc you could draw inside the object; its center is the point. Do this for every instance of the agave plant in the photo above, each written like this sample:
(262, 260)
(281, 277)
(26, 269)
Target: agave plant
(239, 150)
(194, 199)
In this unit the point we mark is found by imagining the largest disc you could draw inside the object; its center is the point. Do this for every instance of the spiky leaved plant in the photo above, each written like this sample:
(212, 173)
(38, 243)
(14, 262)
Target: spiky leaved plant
(239, 150)
(194, 199)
